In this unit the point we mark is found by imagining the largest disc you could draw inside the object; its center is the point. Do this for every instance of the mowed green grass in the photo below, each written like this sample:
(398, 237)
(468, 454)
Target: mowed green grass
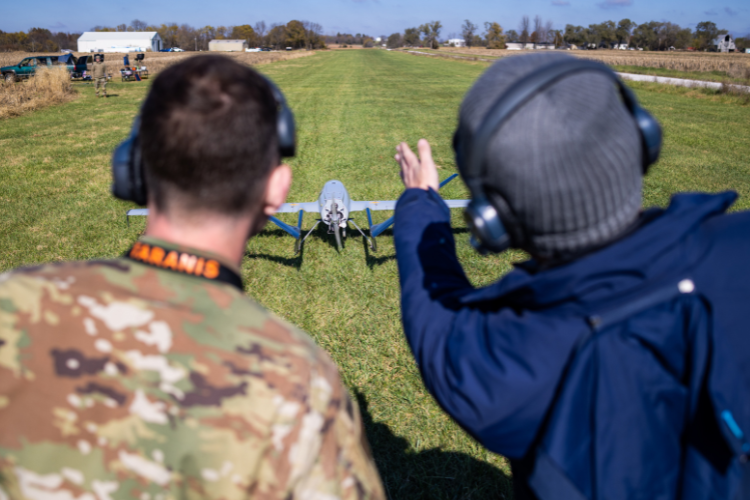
(352, 108)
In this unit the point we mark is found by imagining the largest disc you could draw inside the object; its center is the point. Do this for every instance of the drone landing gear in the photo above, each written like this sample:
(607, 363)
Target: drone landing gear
(300, 241)
(370, 241)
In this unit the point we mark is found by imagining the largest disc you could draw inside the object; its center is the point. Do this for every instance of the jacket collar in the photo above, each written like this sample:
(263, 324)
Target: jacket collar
(654, 248)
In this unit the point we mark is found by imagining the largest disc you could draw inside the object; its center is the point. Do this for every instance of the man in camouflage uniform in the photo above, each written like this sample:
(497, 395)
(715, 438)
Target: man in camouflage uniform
(153, 376)
(99, 74)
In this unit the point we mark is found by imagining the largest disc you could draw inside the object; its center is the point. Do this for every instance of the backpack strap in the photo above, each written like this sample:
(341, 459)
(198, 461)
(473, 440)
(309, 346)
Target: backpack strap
(629, 308)
(546, 479)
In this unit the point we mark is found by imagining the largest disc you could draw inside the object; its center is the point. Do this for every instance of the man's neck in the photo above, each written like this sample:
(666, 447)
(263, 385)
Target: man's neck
(224, 236)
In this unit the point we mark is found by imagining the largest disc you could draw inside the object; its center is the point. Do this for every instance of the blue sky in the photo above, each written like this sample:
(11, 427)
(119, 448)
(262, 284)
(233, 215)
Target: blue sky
(374, 17)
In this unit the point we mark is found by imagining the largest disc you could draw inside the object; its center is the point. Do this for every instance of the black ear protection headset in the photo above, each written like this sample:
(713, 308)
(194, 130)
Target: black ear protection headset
(483, 219)
(128, 177)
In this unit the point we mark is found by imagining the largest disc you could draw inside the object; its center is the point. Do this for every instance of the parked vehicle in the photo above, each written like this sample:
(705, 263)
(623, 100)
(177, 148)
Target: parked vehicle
(28, 66)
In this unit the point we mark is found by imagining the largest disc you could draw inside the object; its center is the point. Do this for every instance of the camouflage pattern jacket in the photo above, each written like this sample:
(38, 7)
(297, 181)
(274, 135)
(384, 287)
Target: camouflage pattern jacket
(120, 380)
(99, 70)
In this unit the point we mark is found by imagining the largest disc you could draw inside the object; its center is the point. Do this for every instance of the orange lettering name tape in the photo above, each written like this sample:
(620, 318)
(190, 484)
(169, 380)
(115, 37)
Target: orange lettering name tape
(182, 263)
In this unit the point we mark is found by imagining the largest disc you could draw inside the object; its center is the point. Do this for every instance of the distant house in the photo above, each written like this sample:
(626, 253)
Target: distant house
(457, 42)
(725, 43)
(528, 46)
(120, 41)
(227, 45)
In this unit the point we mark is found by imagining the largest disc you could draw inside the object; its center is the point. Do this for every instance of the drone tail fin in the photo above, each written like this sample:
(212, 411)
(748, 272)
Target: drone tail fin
(298, 243)
(379, 228)
(291, 230)
(446, 181)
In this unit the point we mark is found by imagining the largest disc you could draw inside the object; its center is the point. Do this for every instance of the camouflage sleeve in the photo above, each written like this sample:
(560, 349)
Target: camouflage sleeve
(319, 447)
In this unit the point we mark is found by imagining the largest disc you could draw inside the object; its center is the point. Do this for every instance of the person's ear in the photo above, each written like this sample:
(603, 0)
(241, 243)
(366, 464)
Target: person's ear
(277, 188)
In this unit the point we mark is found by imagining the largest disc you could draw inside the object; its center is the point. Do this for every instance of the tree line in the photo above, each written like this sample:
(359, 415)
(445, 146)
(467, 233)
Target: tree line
(652, 35)
(295, 34)
(38, 40)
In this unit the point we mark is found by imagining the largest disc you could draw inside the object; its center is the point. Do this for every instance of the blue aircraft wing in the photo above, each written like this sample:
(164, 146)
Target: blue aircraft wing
(391, 205)
(290, 208)
(359, 206)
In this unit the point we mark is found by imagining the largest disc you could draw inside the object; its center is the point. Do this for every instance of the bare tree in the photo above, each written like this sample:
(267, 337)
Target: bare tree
(524, 27)
(538, 30)
(261, 30)
(431, 33)
(468, 30)
(138, 25)
(313, 34)
(549, 32)
(122, 27)
(395, 41)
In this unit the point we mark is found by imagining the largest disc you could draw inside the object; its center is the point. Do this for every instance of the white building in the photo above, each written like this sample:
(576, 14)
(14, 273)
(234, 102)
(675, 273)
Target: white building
(457, 42)
(528, 46)
(725, 43)
(120, 41)
(227, 45)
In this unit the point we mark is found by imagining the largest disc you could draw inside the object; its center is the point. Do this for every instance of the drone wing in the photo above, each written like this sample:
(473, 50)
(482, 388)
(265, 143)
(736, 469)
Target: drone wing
(359, 206)
(290, 208)
(377, 229)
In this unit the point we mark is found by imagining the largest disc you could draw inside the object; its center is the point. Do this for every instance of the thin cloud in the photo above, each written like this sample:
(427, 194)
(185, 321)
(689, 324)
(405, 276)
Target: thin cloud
(711, 12)
(730, 11)
(613, 4)
(560, 3)
(58, 26)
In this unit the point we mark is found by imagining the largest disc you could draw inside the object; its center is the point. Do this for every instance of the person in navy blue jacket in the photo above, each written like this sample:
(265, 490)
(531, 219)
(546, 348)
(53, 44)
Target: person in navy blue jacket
(615, 363)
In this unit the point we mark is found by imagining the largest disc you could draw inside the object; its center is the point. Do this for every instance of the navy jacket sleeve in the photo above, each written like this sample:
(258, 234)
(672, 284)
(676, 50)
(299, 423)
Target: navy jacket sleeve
(493, 370)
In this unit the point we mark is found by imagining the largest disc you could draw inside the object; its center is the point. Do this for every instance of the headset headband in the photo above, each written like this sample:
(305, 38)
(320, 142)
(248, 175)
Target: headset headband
(522, 92)
(128, 175)
(489, 233)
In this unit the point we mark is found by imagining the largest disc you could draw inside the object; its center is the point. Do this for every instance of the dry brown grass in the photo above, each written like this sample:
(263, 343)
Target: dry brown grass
(49, 86)
(336, 46)
(735, 65)
(52, 86)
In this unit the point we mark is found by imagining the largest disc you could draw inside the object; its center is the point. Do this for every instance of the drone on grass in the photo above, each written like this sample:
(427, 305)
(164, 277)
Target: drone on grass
(334, 206)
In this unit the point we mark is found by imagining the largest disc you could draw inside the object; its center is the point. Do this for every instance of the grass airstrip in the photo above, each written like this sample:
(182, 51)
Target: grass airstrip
(352, 108)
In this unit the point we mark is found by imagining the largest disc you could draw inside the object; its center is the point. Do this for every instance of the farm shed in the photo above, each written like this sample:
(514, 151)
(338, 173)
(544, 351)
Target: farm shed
(457, 42)
(725, 43)
(227, 45)
(528, 46)
(120, 41)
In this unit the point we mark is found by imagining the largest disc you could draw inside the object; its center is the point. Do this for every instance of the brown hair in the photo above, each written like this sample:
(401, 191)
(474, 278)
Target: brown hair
(208, 136)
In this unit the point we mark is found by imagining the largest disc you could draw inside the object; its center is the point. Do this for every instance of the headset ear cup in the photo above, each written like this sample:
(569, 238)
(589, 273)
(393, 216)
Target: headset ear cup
(651, 136)
(140, 191)
(286, 132)
(486, 227)
(121, 185)
(128, 179)
(285, 126)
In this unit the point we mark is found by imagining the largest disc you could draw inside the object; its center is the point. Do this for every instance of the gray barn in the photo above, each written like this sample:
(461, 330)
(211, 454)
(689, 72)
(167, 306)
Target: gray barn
(725, 43)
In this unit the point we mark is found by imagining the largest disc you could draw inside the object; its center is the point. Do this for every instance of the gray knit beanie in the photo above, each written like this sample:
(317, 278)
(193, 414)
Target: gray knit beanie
(567, 164)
